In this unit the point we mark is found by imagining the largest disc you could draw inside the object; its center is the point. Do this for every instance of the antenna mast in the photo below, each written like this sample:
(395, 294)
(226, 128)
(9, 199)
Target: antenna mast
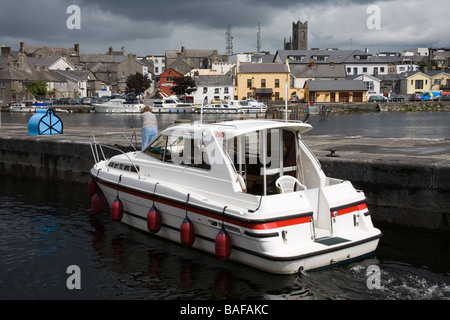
(229, 41)
(258, 38)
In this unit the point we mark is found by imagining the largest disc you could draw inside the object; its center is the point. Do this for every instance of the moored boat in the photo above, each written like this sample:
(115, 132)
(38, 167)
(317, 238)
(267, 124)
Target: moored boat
(172, 104)
(246, 190)
(219, 108)
(22, 107)
(248, 106)
(126, 104)
(253, 106)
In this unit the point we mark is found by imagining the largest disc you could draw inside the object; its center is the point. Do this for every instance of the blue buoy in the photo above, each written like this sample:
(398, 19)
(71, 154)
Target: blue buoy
(45, 122)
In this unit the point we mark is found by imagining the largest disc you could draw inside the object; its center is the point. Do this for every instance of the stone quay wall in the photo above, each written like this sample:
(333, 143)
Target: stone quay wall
(403, 190)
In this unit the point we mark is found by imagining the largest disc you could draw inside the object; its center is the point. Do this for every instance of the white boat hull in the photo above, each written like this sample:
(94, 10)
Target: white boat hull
(132, 108)
(22, 109)
(254, 243)
(174, 110)
(219, 110)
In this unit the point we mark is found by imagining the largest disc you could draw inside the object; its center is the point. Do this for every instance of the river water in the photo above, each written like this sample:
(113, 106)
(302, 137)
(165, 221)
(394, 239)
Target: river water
(423, 125)
(47, 227)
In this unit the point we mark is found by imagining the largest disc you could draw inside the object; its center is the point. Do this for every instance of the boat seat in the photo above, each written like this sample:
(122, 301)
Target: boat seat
(287, 184)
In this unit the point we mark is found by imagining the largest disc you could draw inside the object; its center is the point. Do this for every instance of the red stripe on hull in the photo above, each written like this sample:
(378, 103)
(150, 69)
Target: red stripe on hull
(254, 226)
(351, 209)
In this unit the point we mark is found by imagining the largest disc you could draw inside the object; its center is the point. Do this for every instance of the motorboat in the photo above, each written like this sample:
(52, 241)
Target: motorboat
(253, 106)
(22, 107)
(248, 106)
(125, 104)
(171, 104)
(219, 108)
(249, 191)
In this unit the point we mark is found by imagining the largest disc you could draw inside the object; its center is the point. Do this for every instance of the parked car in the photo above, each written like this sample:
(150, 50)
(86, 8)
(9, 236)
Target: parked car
(86, 100)
(377, 98)
(415, 97)
(445, 97)
(431, 96)
(50, 101)
(64, 101)
(396, 98)
(294, 99)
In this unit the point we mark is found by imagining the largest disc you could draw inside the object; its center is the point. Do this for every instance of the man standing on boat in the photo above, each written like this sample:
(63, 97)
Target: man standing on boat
(149, 126)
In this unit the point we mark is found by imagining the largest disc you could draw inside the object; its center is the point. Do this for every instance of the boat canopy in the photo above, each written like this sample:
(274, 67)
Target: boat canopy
(259, 151)
(231, 129)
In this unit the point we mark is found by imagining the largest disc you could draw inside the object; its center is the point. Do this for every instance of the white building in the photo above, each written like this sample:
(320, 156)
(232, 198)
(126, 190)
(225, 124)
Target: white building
(372, 83)
(213, 87)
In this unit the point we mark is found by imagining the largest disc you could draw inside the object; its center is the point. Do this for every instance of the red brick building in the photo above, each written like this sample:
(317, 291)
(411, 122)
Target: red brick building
(166, 81)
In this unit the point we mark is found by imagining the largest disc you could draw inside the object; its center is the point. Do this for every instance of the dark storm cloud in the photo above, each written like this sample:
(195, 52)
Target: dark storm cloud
(206, 13)
(145, 26)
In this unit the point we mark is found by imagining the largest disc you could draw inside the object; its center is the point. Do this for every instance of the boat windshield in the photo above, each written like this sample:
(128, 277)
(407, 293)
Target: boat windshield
(180, 150)
(261, 157)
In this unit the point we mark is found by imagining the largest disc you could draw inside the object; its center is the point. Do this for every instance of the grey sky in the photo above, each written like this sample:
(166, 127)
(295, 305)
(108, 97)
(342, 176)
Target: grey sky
(148, 26)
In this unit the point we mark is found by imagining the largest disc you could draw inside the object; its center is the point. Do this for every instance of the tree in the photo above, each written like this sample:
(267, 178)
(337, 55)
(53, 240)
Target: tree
(138, 83)
(37, 88)
(183, 86)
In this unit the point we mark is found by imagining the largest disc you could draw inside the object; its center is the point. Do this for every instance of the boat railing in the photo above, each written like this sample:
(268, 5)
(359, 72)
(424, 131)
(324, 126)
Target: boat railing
(98, 152)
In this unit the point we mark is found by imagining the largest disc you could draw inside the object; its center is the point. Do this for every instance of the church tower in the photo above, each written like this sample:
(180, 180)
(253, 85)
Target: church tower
(299, 36)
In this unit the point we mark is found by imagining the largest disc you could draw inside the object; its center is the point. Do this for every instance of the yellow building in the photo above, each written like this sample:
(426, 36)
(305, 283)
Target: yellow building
(331, 91)
(414, 82)
(440, 80)
(262, 81)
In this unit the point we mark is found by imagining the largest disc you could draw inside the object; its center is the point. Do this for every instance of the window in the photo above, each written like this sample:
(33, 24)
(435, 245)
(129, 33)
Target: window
(364, 69)
(263, 83)
(205, 89)
(297, 58)
(225, 90)
(179, 150)
(277, 83)
(369, 85)
(419, 84)
(381, 69)
(249, 83)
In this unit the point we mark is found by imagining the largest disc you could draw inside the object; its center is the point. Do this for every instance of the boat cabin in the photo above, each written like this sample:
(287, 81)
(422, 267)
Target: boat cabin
(235, 151)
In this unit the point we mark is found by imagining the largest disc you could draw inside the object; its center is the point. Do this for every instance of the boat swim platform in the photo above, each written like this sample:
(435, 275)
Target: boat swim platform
(406, 181)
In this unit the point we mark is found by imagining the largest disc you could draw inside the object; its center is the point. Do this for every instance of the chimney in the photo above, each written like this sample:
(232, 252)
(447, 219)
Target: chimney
(312, 64)
(367, 50)
(110, 50)
(76, 47)
(22, 47)
(331, 64)
(6, 51)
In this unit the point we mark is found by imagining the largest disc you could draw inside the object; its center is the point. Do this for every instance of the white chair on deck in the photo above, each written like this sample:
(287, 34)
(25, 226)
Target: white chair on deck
(287, 184)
